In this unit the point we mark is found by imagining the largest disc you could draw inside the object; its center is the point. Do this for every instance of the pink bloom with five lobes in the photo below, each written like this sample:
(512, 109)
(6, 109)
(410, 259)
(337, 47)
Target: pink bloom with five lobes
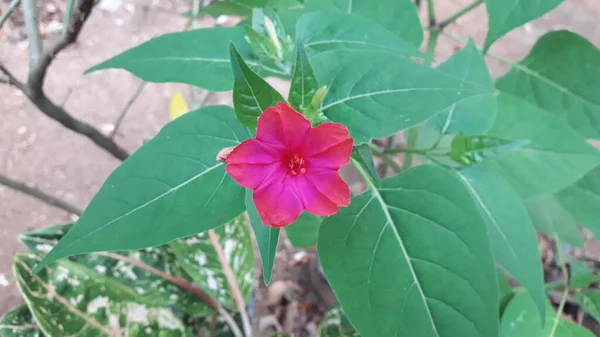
(292, 166)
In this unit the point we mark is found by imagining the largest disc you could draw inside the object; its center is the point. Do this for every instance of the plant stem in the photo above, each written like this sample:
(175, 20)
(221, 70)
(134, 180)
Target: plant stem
(459, 14)
(563, 300)
(413, 135)
(11, 8)
(132, 100)
(182, 283)
(235, 290)
(33, 192)
(33, 32)
(67, 16)
(385, 158)
(431, 12)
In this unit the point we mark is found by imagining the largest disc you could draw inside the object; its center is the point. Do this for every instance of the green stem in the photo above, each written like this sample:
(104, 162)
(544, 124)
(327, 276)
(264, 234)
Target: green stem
(385, 158)
(67, 16)
(413, 135)
(431, 12)
(563, 300)
(459, 14)
(11, 8)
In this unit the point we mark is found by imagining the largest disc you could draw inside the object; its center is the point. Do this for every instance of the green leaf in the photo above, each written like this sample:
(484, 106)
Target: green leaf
(322, 31)
(562, 75)
(505, 17)
(581, 275)
(274, 4)
(403, 246)
(474, 115)
(19, 323)
(547, 164)
(267, 238)
(362, 154)
(304, 84)
(589, 300)
(69, 299)
(199, 257)
(514, 241)
(261, 45)
(475, 149)
(520, 319)
(223, 7)
(399, 16)
(505, 290)
(131, 270)
(166, 190)
(550, 217)
(375, 101)
(197, 57)
(582, 200)
(251, 94)
(304, 231)
(335, 324)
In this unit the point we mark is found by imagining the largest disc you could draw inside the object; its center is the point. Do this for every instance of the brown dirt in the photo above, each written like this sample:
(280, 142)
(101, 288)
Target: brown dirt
(39, 151)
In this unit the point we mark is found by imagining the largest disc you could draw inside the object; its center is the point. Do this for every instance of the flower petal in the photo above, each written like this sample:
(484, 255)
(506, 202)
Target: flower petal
(330, 184)
(313, 200)
(282, 126)
(333, 157)
(253, 175)
(253, 151)
(324, 136)
(276, 201)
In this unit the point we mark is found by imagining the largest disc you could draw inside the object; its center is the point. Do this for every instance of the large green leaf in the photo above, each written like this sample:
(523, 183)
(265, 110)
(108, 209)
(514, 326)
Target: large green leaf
(376, 101)
(392, 256)
(19, 323)
(513, 236)
(520, 319)
(69, 299)
(504, 17)
(550, 217)
(562, 75)
(131, 269)
(267, 238)
(199, 258)
(321, 31)
(582, 200)
(197, 57)
(172, 187)
(474, 115)
(252, 95)
(399, 16)
(304, 83)
(304, 231)
(547, 163)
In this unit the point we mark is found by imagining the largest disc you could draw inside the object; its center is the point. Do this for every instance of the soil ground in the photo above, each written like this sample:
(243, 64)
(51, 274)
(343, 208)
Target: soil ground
(37, 150)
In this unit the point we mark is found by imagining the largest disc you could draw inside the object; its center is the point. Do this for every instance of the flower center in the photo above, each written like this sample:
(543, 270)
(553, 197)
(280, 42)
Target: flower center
(296, 164)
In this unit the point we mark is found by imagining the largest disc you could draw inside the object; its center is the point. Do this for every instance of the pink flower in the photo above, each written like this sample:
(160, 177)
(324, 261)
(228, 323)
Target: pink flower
(292, 166)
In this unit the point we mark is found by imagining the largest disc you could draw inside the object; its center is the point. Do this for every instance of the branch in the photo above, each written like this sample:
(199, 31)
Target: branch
(235, 290)
(33, 88)
(33, 31)
(182, 283)
(33, 192)
(128, 105)
(11, 8)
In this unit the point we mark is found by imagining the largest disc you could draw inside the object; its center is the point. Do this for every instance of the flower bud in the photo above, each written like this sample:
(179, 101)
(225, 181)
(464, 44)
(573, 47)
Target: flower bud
(224, 153)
